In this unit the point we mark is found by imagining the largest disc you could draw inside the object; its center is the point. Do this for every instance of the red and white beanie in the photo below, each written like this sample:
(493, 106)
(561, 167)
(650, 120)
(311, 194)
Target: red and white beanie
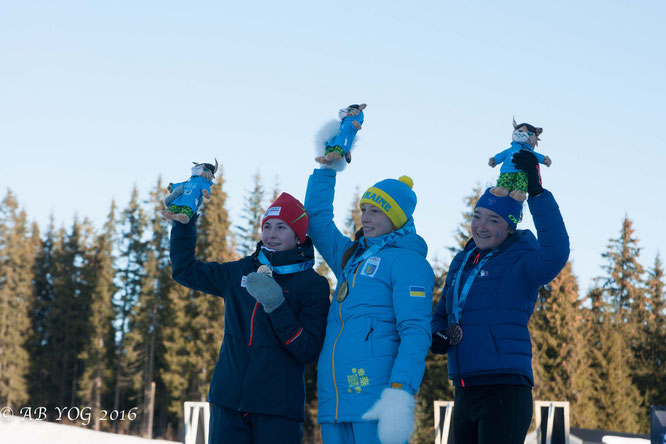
(288, 209)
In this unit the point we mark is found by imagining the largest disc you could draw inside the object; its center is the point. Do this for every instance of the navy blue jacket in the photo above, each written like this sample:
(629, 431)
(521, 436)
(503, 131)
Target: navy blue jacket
(260, 368)
(496, 340)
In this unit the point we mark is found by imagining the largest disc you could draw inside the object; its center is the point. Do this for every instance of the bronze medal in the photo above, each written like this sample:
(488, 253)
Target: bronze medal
(454, 333)
(265, 269)
(343, 289)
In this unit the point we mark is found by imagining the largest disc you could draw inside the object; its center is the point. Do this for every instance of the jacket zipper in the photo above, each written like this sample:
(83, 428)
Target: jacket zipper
(335, 385)
(254, 312)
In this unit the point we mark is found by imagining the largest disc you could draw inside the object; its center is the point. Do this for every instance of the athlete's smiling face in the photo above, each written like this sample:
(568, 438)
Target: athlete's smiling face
(489, 230)
(374, 221)
(278, 236)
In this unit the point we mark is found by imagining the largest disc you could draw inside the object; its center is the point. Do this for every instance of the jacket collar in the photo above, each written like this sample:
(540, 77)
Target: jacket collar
(301, 254)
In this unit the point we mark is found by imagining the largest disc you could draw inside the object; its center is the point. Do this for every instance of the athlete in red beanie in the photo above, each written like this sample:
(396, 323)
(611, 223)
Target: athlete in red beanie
(289, 210)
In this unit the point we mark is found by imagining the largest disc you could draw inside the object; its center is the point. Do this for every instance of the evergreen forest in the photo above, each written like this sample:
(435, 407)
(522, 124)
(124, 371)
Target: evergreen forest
(90, 317)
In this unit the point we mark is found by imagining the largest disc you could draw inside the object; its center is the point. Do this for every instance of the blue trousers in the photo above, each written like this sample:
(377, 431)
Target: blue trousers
(350, 433)
(228, 426)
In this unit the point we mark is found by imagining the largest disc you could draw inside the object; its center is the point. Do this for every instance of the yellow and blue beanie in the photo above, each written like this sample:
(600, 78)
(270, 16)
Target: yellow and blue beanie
(394, 197)
(506, 207)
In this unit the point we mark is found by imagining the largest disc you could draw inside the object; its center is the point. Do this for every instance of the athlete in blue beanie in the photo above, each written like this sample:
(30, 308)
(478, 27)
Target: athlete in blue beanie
(489, 296)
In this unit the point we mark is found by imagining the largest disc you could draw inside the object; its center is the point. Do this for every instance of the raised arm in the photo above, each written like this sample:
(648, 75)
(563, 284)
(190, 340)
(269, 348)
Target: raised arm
(211, 277)
(553, 250)
(553, 241)
(328, 240)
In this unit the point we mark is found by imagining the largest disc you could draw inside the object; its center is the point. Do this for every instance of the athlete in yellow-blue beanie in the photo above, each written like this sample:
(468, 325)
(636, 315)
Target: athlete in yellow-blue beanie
(394, 197)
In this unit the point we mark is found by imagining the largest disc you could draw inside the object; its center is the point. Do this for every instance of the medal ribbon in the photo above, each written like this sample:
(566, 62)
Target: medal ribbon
(374, 248)
(284, 269)
(459, 297)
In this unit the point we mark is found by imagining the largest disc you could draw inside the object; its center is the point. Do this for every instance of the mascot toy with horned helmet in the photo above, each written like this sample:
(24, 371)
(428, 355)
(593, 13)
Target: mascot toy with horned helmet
(513, 181)
(185, 198)
(339, 146)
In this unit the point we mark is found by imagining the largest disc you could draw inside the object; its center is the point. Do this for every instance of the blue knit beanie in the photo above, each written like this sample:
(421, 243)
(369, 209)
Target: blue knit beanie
(394, 197)
(507, 207)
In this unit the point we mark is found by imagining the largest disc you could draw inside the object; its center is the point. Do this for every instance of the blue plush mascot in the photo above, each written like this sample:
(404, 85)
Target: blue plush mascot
(513, 181)
(340, 145)
(185, 198)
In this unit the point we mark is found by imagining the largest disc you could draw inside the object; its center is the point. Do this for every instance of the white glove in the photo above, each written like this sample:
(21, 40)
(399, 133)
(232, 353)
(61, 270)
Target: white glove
(395, 413)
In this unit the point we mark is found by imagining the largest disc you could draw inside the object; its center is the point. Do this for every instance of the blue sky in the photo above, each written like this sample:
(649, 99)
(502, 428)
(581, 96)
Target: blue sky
(96, 97)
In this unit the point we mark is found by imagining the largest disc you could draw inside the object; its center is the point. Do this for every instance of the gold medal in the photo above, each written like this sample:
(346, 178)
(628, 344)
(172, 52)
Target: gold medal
(343, 289)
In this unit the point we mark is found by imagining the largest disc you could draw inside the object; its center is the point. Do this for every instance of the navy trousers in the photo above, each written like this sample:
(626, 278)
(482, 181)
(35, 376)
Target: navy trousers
(232, 427)
(498, 414)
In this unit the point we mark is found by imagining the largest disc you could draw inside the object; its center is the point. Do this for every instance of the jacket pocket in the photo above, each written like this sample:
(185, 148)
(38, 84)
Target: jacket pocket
(512, 339)
(494, 339)
(384, 339)
(370, 337)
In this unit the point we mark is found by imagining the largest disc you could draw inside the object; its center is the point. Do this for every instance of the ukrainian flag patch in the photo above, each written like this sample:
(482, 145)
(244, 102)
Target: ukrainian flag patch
(417, 292)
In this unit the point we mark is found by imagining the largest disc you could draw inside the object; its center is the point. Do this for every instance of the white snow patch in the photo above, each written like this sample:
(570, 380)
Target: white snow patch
(30, 431)
(621, 440)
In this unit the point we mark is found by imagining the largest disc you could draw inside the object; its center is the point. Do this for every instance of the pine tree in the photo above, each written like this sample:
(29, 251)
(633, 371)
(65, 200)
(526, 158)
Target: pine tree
(69, 320)
(561, 361)
(40, 343)
(141, 342)
(464, 231)
(97, 351)
(276, 189)
(624, 291)
(652, 350)
(132, 259)
(615, 397)
(177, 354)
(353, 220)
(249, 234)
(622, 286)
(16, 275)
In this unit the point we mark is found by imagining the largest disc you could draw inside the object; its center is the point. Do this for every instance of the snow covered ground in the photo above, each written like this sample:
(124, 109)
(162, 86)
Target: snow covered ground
(532, 439)
(16, 430)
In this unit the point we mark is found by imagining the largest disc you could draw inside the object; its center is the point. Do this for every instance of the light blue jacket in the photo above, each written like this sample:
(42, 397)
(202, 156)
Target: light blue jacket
(506, 156)
(380, 334)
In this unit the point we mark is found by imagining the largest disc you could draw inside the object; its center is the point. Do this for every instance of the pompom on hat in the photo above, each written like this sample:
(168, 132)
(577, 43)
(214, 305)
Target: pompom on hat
(288, 209)
(506, 207)
(394, 197)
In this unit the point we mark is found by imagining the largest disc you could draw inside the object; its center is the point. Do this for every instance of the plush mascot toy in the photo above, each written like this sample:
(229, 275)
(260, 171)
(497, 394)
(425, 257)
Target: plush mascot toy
(513, 181)
(340, 144)
(185, 198)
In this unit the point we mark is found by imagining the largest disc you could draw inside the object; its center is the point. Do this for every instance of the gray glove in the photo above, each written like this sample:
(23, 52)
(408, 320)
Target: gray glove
(265, 290)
